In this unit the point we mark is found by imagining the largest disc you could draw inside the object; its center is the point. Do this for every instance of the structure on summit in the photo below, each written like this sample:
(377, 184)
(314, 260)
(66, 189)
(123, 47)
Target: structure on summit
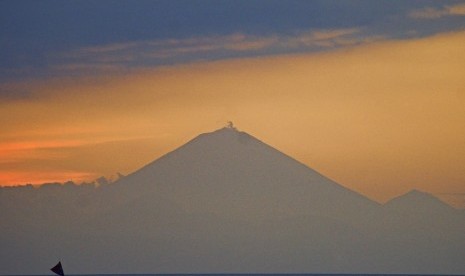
(230, 125)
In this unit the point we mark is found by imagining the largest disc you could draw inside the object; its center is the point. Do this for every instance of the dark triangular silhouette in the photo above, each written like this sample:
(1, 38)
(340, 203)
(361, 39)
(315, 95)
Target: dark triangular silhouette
(58, 269)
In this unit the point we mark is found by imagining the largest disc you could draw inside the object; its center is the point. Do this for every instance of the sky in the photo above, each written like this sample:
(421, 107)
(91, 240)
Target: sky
(369, 93)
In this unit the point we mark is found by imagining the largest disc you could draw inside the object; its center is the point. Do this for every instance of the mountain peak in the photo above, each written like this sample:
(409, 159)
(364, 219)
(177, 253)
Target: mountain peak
(227, 130)
(231, 172)
(414, 193)
(225, 137)
(418, 200)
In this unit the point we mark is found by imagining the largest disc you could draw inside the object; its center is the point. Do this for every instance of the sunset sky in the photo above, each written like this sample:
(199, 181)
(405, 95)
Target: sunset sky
(369, 93)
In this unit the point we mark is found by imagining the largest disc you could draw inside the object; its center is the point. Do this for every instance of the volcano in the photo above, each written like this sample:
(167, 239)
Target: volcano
(234, 175)
(225, 202)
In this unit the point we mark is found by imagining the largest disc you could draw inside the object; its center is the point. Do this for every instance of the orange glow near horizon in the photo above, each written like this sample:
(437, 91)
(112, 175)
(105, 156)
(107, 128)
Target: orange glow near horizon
(380, 119)
(19, 178)
(40, 177)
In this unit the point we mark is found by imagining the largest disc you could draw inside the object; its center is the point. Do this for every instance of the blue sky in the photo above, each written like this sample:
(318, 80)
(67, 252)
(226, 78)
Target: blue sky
(47, 38)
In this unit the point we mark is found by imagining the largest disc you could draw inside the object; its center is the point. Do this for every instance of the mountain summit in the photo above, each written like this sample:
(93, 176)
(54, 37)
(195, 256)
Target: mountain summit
(418, 202)
(225, 202)
(230, 172)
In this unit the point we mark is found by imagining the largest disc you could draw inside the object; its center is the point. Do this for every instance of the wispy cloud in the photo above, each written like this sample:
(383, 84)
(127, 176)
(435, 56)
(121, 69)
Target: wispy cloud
(326, 39)
(169, 48)
(118, 56)
(436, 13)
(90, 67)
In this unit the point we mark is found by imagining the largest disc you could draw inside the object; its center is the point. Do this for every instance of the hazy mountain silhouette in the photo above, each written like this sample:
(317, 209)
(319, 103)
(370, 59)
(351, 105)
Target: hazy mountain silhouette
(226, 202)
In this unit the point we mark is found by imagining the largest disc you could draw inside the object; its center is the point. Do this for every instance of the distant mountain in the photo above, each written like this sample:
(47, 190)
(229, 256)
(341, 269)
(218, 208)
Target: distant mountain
(419, 202)
(423, 232)
(226, 202)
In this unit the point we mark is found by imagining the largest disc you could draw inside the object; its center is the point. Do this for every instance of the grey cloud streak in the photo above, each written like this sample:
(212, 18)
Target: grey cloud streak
(120, 56)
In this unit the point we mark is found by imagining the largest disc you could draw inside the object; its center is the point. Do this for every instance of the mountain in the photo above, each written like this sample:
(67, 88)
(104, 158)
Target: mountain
(233, 174)
(418, 230)
(419, 210)
(418, 202)
(226, 202)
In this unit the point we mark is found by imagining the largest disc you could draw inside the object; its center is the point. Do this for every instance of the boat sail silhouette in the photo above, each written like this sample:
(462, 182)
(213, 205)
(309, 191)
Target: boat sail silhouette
(58, 269)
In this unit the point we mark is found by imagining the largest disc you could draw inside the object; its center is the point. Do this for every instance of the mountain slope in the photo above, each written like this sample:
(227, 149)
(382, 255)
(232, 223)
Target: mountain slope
(228, 171)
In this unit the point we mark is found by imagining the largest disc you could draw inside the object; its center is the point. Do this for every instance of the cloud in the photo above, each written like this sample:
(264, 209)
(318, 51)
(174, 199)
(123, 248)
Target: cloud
(436, 13)
(89, 68)
(80, 38)
(457, 9)
(167, 48)
(152, 53)
(326, 39)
